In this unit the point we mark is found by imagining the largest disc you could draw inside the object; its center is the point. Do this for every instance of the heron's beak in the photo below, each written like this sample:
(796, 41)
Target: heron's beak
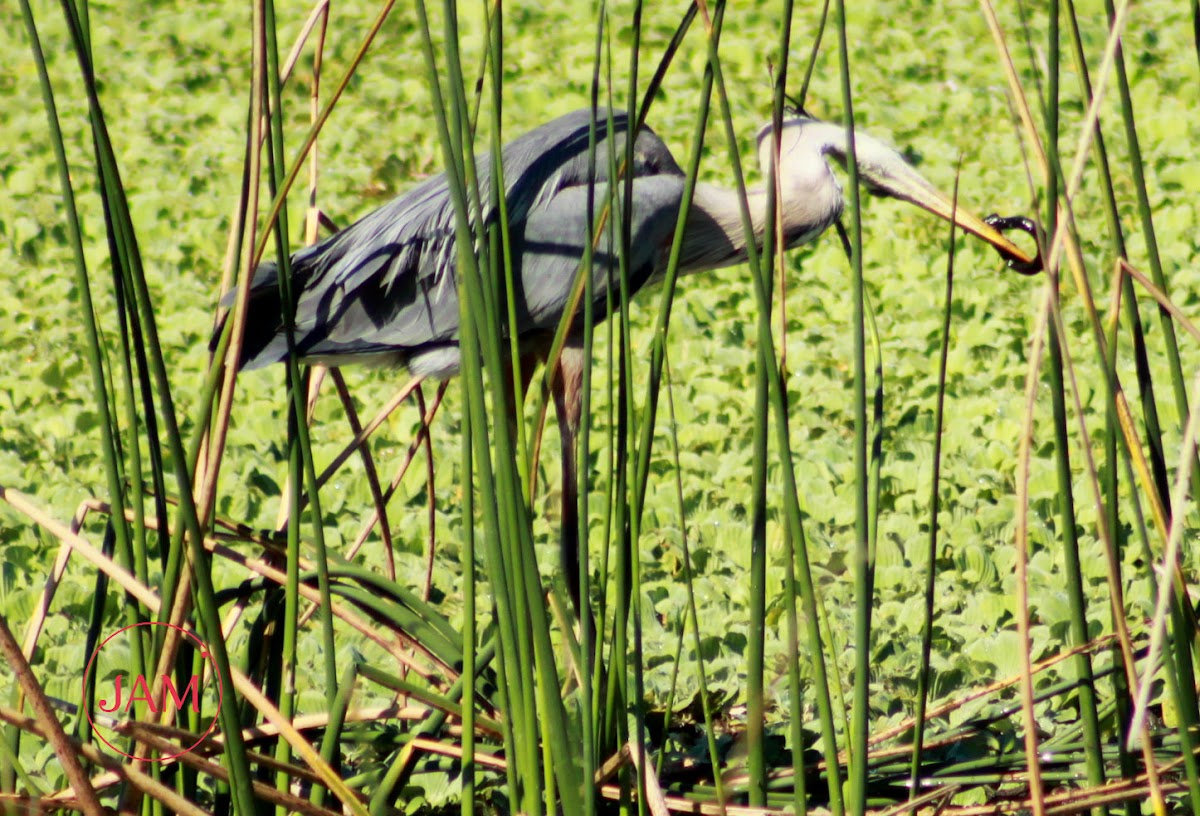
(903, 182)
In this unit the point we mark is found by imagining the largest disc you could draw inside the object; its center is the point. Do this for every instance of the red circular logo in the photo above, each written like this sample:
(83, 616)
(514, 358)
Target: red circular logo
(122, 697)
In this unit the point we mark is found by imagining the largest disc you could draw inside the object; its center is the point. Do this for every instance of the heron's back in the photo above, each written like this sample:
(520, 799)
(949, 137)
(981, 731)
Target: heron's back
(385, 287)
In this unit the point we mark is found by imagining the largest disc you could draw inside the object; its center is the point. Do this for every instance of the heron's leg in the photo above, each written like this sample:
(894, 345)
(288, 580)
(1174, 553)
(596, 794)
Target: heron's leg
(517, 406)
(568, 399)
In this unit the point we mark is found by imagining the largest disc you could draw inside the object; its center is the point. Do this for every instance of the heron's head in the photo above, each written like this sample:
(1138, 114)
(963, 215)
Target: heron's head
(881, 168)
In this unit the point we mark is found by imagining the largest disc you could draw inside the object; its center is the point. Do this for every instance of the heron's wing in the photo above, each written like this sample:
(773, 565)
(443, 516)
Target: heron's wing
(386, 283)
(370, 273)
(552, 242)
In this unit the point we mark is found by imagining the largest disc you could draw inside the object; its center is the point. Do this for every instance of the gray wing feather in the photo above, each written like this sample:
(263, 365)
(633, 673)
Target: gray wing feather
(386, 283)
(554, 236)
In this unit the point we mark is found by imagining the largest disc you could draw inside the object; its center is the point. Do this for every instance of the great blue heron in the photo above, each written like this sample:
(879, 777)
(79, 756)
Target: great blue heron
(384, 289)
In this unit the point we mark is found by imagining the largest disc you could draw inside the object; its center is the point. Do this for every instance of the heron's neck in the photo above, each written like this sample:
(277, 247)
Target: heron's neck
(716, 236)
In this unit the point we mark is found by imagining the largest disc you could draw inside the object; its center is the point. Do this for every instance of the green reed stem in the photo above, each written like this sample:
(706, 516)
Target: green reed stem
(693, 619)
(863, 567)
(122, 238)
(925, 671)
(1066, 497)
(760, 279)
(1182, 617)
